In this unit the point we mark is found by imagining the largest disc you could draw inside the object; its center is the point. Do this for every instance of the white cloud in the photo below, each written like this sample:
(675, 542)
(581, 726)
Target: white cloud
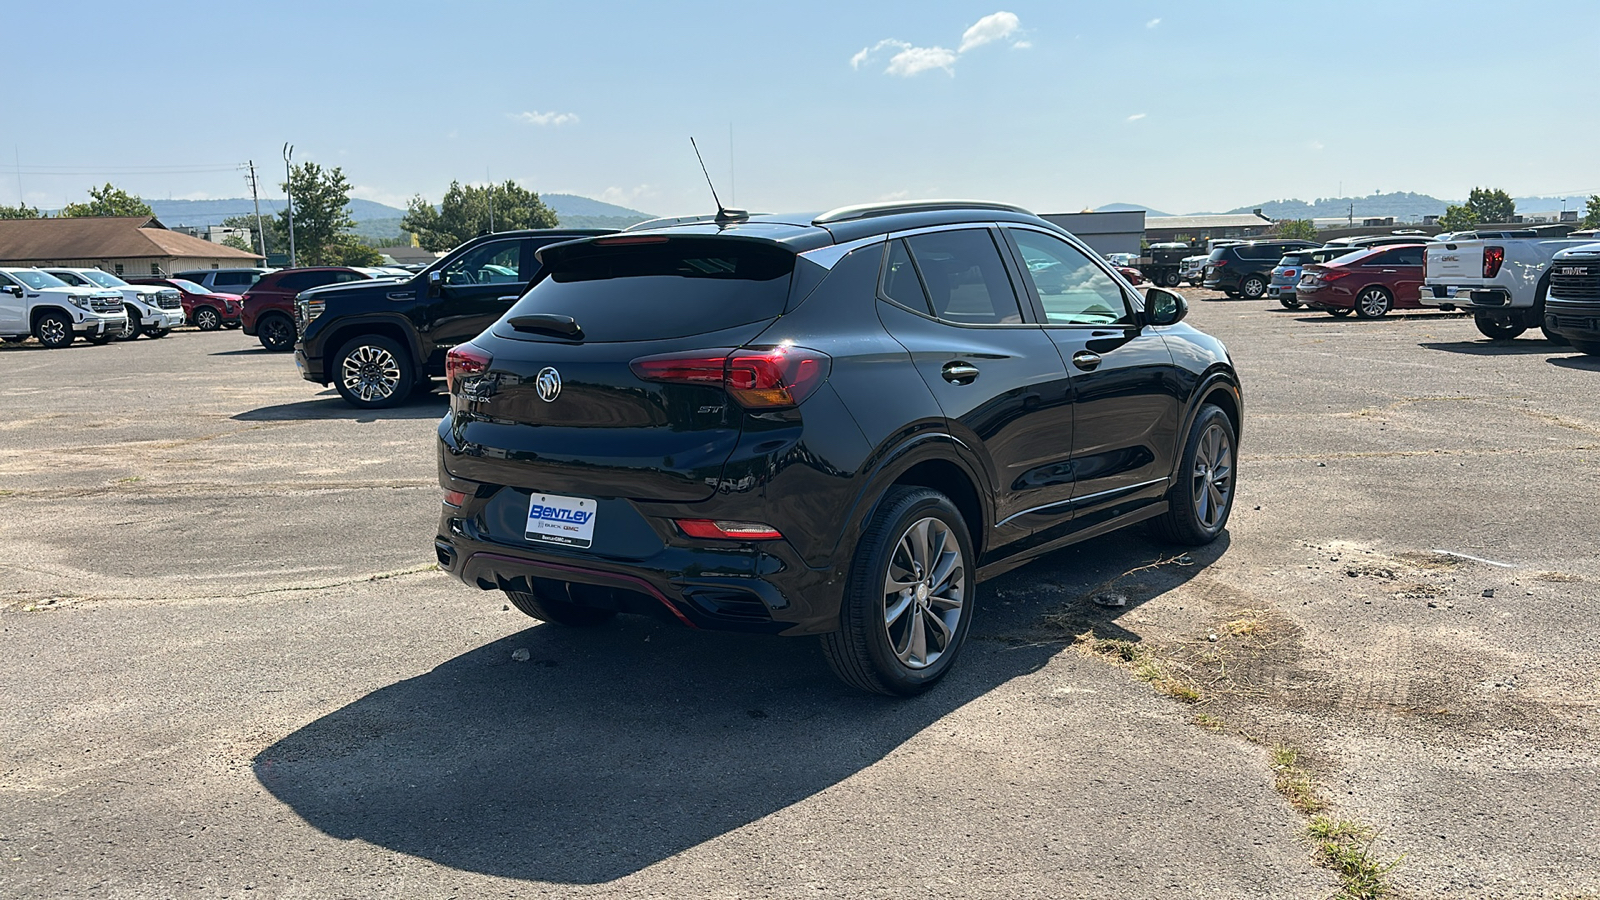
(625, 196)
(544, 118)
(1136, 117)
(1152, 23)
(909, 59)
(893, 195)
(990, 28)
(1315, 145)
(1022, 45)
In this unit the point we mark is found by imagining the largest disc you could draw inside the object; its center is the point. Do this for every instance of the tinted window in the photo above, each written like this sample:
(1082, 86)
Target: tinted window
(230, 278)
(1408, 256)
(900, 281)
(341, 277)
(657, 291)
(1294, 259)
(299, 281)
(966, 281)
(498, 262)
(1071, 288)
(1260, 251)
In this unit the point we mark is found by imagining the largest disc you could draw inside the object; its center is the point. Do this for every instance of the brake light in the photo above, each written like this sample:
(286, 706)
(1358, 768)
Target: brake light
(1288, 273)
(1218, 264)
(464, 361)
(1493, 258)
(769, 378)
(1334, 274)
(722, 530)
(631, 239)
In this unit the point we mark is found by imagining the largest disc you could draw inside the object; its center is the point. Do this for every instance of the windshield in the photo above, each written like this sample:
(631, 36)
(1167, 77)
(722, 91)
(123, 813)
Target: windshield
(188, 287)
(104, 279)
(36, 279)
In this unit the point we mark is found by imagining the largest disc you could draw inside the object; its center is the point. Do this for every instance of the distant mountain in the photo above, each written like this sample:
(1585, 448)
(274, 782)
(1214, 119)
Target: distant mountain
(378, 220)
(1403, 205)
(572, 205)
(1130, 207)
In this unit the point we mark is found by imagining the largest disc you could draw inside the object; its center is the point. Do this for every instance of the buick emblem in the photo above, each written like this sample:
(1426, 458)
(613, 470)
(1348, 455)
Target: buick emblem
(548, 384)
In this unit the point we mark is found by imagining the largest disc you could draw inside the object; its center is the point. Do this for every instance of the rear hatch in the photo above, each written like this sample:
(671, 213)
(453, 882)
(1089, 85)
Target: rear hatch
(1455, 262)
(562, 406)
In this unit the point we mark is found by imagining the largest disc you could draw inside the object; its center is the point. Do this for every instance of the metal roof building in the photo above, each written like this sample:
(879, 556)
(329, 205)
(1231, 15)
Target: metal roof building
(123, 245)
(1158, 229)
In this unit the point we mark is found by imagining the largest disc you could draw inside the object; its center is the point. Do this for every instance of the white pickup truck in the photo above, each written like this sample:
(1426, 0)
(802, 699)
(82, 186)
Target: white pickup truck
(152, 311)
(35, 303)
(1502, 281)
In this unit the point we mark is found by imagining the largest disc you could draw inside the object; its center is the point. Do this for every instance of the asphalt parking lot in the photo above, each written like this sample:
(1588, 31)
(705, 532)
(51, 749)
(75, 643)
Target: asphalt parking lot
(230, 668)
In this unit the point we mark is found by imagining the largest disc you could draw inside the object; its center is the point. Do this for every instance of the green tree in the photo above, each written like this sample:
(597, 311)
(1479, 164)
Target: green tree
(465, 213)
(1591, 215)
(350, 251)
(237, 243)
(1491, 205)
(108, 201)
(1458, 218)
(20, 211)
(321, 213)
(1296, 229)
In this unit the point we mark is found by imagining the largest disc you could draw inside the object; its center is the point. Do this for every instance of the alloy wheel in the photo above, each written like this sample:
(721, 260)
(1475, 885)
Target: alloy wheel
(1213, 476)
(207, 319)
(130, 328)
(277, 333)
(370, 373)
(53, 331)
(1374, 303)
(924, 592)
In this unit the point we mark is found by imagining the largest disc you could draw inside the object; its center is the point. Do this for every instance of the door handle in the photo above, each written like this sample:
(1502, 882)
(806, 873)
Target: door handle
(959, 372)
(1387, 271)
(1086, 360)
(510, 299)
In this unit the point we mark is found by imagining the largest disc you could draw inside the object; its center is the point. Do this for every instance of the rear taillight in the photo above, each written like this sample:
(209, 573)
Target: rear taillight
(1217, 264)
(768, 378)
(464, 361)
(1493, 258)
(455, 498)
(723, 530)
(1288, 273)
(1334, 274)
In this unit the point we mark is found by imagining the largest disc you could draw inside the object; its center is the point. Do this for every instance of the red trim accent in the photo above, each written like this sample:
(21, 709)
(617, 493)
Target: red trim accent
(632, 579)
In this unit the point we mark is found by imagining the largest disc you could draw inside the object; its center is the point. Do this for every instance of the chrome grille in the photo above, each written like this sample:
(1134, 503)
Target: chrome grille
(105, 304)
(1575, 280)
(170, 300)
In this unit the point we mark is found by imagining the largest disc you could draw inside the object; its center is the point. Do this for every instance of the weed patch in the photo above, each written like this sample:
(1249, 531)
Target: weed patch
(1346, 848)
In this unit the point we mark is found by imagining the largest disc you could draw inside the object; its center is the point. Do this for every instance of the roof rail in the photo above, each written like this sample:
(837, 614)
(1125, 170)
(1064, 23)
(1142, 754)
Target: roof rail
(668, 221)
(870, 210)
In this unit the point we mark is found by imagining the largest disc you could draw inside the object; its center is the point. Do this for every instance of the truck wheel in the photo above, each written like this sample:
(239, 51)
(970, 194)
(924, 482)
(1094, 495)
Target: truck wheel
(1253, 287)
(373, 372)
(1374, 303)
(1590, 347)
(546, 608)
(1199, 503)
(131, 328)
(275, 332)
(1170, 279)
(908, 604)
(54, 330)
(1498, 326)
(207, 319)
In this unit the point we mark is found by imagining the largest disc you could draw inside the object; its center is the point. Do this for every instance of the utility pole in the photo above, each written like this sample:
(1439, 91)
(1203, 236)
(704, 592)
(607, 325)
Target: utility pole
(288, 180)
(261, 233)
(1352, 213)
(491, 198)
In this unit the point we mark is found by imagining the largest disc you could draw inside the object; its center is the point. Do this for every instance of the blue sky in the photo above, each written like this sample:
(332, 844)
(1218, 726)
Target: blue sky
(1056, 106)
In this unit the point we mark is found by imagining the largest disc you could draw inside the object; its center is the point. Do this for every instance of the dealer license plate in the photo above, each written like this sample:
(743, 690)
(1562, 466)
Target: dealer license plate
(561, 520)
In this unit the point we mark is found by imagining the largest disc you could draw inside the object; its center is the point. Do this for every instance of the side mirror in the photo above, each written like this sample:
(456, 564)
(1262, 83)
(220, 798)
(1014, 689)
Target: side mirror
(1164, 307)
(12, 290)
(434, 278)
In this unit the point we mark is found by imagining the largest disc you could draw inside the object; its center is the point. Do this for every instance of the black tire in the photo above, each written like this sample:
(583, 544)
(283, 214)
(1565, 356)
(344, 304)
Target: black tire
(1374, 302)
(53, 330)
(275, 331)
(1195, 515)
(423, 387)
(1231, 295)
(373, 372)
(1288, 302)
(1590, 347)
(207, 319)
(1338, 313)
(132, 328)
(100, 340)
(1170, 279)
(1498, 326)
(1536, 316)
(559, 611)
(157, 333)
(1253, 287)
(863, 651)
(1552, 337)
(234, 324)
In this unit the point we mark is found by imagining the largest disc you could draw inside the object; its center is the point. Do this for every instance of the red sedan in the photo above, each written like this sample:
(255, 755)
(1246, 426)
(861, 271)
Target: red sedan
(1370, 282)
(201, 308)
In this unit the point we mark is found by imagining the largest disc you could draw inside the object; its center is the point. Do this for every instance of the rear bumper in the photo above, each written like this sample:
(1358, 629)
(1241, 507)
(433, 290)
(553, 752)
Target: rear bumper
(1468, 297)
(757, 586)
(1573, 319)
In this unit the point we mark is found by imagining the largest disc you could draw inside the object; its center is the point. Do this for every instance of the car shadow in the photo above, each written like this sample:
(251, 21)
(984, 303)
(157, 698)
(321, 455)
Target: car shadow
(607, 750)
(1488, 347)
(253, 351)
(427, 406)
(1581, 362)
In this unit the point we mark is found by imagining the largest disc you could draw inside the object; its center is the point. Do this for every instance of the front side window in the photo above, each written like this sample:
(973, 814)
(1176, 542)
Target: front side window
(497, 262)
(105, 279)
(966, 281)
(72, 278)
(1071, 288)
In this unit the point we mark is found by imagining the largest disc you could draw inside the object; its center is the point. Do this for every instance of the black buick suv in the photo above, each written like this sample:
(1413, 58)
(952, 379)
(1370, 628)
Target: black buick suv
(828, 425)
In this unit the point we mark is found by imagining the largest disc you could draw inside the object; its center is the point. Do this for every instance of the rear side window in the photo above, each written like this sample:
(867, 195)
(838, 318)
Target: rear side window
(900, 281)
(681, 287)
(1408, 256)
(966, 281)
(297, 281)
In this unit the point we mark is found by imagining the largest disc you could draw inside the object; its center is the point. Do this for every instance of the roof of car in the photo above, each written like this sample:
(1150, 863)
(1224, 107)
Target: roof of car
(808, 231)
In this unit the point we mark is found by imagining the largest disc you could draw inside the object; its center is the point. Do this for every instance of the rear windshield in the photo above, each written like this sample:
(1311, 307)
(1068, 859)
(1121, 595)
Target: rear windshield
(1294, 259)
(641, 292)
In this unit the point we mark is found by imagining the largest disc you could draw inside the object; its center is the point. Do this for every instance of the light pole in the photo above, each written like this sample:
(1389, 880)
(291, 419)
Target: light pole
(288, 190)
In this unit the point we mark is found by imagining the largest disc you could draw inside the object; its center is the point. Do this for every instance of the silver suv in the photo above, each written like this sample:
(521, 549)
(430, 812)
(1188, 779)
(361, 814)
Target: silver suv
(1287, 274)
(224, 281)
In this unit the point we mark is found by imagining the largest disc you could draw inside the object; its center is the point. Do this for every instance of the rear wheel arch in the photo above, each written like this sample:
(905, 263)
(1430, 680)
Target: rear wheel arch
(934, 461)
(951, 480)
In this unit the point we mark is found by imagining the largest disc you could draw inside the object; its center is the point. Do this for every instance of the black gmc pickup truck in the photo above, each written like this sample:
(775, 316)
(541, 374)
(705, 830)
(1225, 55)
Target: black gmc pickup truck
(380, 342)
